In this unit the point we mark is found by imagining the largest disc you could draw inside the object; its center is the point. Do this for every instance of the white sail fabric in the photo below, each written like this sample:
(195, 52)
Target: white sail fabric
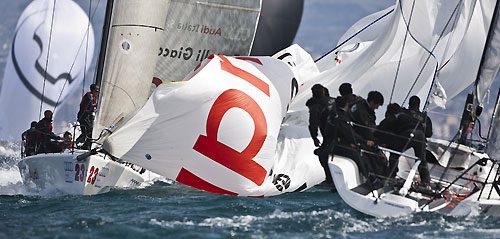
(220, 130)
(453, 30)
(23, 85)
(196, 29)
(137, 27)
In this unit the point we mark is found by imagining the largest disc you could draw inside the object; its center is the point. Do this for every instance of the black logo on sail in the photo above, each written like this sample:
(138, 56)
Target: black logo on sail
(281, 181)
(38, 67)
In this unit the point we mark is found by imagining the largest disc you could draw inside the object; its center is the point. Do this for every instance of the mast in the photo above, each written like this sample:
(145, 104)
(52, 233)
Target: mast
(473, 107)
(104, 41)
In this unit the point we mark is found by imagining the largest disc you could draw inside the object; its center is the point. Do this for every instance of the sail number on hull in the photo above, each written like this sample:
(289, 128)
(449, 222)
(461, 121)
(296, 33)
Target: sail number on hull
(80, 173)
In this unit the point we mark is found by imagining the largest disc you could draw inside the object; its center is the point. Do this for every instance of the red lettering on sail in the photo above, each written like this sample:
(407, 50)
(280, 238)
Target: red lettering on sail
(188, 178)
(240, 163)
(246, 58)
(255, 81)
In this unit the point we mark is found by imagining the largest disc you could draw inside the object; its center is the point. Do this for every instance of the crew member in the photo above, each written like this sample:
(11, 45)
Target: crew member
(345, 91)
(29, 140)
(348, 140)
(86, 114)
(319, 106)
(363, 115)
(67, 141)
(45, 135)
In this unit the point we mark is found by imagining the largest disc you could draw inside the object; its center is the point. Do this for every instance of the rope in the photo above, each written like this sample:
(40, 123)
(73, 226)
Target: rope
(401, 55)
(85, 37)
(428, 57)
(47, 59)
(355, 34)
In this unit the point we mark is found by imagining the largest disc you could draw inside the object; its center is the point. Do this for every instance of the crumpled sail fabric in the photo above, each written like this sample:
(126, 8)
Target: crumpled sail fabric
(23, 82)
(386, 55)
(220, 130)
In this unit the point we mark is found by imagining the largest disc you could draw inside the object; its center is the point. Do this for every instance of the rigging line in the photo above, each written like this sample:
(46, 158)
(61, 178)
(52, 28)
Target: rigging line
(493, 116)
(402, 50)
(442, 114)
(387, 132)
(85, 37)
(47, 59)
(428, 57)
(355, 34)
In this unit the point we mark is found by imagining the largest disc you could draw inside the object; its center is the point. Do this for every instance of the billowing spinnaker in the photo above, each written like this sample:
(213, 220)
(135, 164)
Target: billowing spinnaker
(220, 131)
(23, 84)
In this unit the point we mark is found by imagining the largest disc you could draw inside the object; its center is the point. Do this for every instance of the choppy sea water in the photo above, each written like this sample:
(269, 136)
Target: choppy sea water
(163, 209)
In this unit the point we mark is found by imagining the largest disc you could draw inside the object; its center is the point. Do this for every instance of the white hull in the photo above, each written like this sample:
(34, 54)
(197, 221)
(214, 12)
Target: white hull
(459, 199)
(62, 172)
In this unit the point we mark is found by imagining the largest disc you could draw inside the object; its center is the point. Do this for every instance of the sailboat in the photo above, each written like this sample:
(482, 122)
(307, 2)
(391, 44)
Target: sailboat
(127, 65)
(432, 49)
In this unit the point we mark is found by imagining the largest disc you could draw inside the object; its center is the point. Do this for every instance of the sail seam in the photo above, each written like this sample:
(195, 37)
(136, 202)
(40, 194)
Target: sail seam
(228, 6)
(137, 25)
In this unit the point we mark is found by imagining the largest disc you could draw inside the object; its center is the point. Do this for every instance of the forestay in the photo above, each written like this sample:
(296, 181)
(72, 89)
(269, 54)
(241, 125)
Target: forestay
(135, 36)
(398, 63)
(220, 130)
(196, 29)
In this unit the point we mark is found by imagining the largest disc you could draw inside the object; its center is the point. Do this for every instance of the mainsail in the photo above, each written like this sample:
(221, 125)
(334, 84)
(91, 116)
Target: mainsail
(220, 130)
(51, 50)
(196, 29)
(137, 27)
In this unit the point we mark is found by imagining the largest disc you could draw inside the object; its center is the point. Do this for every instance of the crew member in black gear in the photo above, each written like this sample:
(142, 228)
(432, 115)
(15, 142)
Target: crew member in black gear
(345, 91)
(319, 106)
(406, 134)
(86, 114)
(347, 140)
(29, 140)
(424, 122)
(387, 135)
(45, 135)
(363, 115)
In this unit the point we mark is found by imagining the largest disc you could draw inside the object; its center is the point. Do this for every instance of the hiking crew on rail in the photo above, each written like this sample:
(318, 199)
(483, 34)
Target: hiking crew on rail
(348, 126)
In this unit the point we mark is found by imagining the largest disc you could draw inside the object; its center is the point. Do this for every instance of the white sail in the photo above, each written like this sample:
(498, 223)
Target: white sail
(137, 27)
(29, 76)
(196, 29)
(220, 130)
(453, 30)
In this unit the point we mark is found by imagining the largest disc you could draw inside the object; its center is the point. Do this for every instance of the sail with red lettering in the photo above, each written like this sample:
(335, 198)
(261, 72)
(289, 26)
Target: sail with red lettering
(221, 129)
